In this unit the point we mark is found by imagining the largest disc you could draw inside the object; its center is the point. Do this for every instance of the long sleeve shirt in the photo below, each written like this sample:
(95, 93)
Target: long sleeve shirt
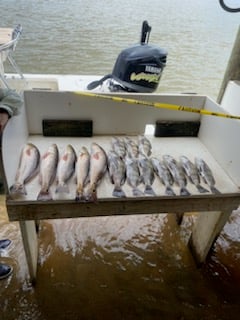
(10, 101)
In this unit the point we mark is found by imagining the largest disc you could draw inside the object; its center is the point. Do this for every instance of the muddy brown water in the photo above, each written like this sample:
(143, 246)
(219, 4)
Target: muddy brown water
(134, 267)
(86, 37)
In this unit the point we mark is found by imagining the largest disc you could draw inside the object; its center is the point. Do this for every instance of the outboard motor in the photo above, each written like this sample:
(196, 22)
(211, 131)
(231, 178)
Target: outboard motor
(137, 68)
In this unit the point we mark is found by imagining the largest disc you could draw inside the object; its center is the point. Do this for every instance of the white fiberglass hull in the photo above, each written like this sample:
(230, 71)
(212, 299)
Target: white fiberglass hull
(51, 82)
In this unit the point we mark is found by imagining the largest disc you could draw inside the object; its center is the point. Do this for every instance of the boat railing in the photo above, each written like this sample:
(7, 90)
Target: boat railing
(6, 51)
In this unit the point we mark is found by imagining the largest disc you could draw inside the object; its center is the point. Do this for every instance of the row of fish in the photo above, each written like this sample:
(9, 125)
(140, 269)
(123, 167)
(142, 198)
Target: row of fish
(89, 169)
(133, 161)
(127, 161)
(127, 147)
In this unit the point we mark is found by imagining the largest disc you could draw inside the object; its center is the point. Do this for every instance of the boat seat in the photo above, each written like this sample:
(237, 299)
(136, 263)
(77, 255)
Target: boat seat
(9, 38)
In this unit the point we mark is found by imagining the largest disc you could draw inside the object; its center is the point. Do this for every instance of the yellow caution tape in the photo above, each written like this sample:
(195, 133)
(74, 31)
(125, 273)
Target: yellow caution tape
(157, 105)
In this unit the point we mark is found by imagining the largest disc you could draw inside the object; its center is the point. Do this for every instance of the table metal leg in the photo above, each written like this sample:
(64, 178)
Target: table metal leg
(205, 231)
(30, 243)
(179, 218)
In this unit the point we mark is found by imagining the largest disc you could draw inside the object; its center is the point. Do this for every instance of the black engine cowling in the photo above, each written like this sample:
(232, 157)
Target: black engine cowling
(137, 68)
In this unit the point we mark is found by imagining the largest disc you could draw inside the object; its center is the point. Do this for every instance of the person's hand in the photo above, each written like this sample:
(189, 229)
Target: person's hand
(3, 120)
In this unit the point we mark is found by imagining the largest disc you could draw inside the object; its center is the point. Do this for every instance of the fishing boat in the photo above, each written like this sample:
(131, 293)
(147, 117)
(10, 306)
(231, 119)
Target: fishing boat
(137, 69)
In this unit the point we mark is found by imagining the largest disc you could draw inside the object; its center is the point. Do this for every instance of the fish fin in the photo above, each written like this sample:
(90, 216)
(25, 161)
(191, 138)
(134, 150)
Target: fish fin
(92, 197)
(18, 189)
(80, 196)
(118, 192)
(44, 195)
(184, 192)
(169, 191)
(214, 190)
(137, 193)
(62, 188)
(201, 189)
(149, 190)
(91, 194)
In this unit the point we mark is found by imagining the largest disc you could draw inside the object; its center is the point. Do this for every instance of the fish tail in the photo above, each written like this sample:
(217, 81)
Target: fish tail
(214, 190)
(169, 191)
(118, 192)
(149, 190)
(184, 192)
(91, 194)
(201, 189)
(44, 195)
(79, 196)
(62, 188)
(92, 197)
(136, 192)
(18, 189)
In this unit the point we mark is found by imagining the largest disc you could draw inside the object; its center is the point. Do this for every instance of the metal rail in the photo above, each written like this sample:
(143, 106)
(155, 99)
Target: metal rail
(6, 51)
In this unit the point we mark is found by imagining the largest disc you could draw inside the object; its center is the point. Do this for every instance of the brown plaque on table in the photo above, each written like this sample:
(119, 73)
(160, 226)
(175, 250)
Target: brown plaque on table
(177, 128)
(67, 128)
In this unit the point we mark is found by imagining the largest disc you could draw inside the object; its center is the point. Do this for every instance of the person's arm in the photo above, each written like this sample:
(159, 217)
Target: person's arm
(4, 116)
(10, 104)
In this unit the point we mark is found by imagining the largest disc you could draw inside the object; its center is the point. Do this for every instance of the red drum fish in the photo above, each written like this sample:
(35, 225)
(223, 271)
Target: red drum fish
(48, 169)
(98, 167)
(28, 168)
(65, 169)
(82, 171)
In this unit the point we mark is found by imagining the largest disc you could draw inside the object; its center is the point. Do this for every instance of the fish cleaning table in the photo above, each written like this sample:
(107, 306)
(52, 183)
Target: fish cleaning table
(111, 118)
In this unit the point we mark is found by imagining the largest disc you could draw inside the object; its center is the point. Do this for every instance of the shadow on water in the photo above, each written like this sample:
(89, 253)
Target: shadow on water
(134, 267)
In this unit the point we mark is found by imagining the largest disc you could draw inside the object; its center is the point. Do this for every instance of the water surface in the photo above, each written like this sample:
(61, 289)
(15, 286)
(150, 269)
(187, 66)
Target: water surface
(86, 36)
